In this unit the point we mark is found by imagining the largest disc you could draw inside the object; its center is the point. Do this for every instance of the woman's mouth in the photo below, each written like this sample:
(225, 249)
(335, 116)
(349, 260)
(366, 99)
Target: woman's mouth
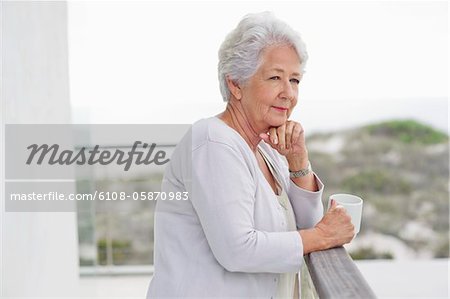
(280, 108)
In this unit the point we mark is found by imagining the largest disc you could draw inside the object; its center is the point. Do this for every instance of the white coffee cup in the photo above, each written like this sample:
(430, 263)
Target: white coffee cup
(352, 204)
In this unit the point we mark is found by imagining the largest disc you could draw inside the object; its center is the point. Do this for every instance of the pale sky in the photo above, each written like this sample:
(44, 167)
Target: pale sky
(156, 62)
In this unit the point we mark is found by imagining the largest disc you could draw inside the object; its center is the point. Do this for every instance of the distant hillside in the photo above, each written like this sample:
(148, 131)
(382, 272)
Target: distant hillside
(408, 131)
(400, 169)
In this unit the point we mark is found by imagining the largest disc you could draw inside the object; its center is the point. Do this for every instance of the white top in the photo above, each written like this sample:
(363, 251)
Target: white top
(287, 281)
(230, 238)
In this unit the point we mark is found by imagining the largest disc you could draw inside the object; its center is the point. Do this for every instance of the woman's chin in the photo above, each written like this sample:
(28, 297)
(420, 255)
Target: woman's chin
(278, 121)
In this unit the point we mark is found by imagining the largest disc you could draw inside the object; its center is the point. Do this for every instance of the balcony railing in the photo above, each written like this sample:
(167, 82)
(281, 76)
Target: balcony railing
(335, 275)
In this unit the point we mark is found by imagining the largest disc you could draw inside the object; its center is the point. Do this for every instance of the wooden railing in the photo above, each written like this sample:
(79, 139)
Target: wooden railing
(335, 275)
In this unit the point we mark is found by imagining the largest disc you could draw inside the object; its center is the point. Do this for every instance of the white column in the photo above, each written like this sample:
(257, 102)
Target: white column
(39, 250)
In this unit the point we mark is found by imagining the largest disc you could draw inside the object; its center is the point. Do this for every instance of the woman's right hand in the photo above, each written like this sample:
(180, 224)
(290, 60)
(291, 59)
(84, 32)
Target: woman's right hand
(333, 230)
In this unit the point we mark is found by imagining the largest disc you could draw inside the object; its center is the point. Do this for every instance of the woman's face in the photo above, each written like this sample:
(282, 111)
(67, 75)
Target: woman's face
(270, 95)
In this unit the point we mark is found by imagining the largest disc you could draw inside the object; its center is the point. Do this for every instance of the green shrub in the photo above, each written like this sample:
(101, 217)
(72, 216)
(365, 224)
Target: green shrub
(408, 131)
(376, 181)
(367, 253)
(120, 251)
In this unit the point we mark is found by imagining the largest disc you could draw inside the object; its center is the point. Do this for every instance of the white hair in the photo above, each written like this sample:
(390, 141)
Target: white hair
(239, 54)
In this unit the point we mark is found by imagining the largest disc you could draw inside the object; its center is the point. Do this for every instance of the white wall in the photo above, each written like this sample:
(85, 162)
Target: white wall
(39, 250)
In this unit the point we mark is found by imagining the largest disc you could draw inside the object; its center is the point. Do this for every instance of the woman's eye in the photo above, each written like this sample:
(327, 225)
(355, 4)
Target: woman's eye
(296, 81)
(275, 78)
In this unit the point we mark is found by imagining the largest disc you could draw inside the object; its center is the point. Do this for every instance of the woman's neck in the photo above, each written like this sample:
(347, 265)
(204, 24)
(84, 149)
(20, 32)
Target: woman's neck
(235, 117)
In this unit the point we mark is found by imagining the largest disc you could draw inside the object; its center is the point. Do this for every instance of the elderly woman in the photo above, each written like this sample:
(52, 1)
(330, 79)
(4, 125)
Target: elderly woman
(254, 206)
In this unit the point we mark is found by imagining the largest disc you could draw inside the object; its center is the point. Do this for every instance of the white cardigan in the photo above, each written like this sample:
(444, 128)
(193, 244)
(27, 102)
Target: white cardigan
(229, 238)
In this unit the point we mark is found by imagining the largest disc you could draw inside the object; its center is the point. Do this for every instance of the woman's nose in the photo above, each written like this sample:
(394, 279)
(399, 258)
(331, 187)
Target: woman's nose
(288, 91)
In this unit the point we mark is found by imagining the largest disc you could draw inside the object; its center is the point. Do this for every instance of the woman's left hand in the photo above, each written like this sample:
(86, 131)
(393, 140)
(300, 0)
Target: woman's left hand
(288, 140)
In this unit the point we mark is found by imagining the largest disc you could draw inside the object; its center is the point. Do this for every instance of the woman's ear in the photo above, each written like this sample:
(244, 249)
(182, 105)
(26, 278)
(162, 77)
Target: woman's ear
(234, 88)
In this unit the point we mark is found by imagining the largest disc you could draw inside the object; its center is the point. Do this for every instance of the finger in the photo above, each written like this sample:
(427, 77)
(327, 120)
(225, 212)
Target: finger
(265, 137)
(339, 208)
(333, 204)
(281, 131)
(298, 131)
(289, 133)
(268, 139)
(273, 135)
